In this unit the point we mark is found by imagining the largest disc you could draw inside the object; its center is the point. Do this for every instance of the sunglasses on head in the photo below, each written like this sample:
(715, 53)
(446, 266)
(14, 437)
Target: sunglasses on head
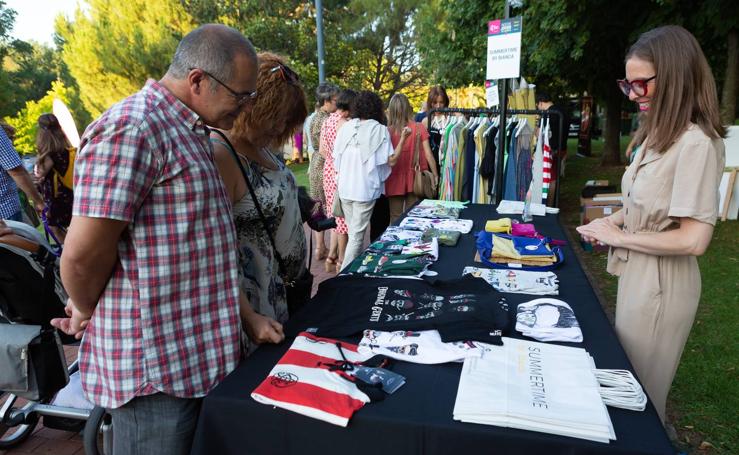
(638, 86)
(287, 74)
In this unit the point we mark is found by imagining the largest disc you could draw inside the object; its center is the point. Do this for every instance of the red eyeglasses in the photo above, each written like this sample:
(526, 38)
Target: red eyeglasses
(638, 86)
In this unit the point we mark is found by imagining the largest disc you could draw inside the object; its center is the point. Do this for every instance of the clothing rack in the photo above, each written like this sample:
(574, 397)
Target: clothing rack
(502, 143)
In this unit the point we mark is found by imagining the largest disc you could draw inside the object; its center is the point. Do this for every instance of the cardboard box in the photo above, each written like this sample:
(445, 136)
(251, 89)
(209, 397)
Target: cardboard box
(590, 213)
(604, 199)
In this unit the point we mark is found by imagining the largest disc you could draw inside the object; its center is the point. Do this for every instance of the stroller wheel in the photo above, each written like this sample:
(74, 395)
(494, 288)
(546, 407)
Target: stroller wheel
(13, 434)
(98, 434)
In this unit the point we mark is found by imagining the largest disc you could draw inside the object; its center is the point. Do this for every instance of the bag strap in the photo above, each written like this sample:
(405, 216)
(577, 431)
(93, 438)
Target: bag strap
(258, 207)
(416, 146)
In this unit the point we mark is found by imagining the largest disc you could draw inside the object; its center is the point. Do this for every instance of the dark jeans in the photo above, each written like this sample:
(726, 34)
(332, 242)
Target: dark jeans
(155, 425)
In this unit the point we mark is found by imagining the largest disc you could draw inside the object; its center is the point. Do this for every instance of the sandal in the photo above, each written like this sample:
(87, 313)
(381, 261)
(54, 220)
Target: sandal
(331, 266)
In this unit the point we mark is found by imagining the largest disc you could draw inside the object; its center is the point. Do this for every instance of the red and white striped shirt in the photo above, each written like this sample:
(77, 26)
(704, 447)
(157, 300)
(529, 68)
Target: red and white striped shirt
(302, 381)
(168, 318)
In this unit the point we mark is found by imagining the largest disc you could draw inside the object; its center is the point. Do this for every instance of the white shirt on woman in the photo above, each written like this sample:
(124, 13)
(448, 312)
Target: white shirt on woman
(361, 154)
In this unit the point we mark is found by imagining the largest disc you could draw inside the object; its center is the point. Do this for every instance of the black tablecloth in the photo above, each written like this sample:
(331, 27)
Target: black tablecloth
(418, 417)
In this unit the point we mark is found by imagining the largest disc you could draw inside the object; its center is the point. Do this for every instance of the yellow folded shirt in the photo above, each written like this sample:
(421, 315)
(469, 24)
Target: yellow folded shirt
(502, 225)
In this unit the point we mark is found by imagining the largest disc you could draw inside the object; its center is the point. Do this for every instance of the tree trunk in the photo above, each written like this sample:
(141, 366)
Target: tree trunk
(728, 97)
(612, 134)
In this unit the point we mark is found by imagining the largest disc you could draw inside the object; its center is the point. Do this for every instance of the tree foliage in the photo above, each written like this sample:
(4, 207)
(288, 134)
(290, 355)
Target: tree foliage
(569, 46)
(25, 122)
(113, 47)
(369, 44)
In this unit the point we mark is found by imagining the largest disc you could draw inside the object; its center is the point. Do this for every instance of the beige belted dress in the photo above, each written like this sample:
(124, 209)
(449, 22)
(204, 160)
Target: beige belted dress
(658, 295)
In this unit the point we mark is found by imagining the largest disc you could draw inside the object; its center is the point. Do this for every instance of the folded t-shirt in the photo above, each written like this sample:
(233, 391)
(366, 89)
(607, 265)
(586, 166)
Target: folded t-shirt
(464, 309)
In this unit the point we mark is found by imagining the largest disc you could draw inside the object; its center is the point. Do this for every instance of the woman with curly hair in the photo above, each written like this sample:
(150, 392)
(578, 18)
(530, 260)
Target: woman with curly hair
(363, 155)
(257, 135)
(52, 163)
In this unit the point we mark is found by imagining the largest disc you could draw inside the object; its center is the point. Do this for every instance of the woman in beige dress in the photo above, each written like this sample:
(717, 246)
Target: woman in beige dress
(670, 204)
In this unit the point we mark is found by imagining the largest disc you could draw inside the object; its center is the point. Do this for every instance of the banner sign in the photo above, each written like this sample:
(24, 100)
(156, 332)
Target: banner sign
(504, 49)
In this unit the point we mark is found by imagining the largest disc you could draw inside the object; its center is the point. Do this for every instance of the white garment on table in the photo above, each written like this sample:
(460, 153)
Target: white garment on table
(430, 248)
(361, 154)
(517, 281)
(419, 347)
(393, 233)
(548, 320)
(421, 224)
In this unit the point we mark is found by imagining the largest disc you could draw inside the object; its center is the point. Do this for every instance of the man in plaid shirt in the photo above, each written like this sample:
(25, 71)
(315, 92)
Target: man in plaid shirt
(13, 176)
(150, 261)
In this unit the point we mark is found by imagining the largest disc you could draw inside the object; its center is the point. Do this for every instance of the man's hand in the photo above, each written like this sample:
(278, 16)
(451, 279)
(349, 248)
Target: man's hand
(262, 329)
(4, 229)
(75, 324)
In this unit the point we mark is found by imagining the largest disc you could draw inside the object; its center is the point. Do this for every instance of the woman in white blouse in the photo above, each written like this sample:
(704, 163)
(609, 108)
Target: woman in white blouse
(363, 155)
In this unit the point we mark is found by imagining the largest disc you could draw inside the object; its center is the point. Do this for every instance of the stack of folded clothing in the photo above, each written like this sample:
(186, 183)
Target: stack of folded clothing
(398, 233)
(517, 281)
(446, 238)
(383, 265)
(421, 224)
(508, 249)
(434, 211)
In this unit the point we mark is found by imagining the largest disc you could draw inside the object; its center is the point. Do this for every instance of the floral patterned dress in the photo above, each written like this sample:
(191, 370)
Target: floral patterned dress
(277, 193)
(315, 169)
(330, 182)
(59, 202)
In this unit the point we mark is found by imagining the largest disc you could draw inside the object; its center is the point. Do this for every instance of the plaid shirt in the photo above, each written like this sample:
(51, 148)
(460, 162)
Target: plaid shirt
(9, 159)
(168, 318)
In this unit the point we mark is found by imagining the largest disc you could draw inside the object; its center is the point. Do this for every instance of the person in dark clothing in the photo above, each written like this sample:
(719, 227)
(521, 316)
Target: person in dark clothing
(558, 127)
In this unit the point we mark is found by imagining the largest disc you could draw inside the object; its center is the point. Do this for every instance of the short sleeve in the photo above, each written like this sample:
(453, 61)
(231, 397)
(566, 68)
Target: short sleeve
(697, 177)
(9, 158)
(114, 172)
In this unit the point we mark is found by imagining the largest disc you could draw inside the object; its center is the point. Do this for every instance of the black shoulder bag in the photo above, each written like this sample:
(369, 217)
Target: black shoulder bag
(298, 290)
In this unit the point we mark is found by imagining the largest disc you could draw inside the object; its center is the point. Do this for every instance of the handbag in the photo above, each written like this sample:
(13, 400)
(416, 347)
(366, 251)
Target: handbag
(336, 209)
(297, 290)
(33, 363)
(423, 181)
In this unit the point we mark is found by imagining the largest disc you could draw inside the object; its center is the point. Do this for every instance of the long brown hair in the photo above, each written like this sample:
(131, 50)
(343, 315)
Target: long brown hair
(280, 107)
(435, 92)
(685, 91)
(399, 113)
(49, 137)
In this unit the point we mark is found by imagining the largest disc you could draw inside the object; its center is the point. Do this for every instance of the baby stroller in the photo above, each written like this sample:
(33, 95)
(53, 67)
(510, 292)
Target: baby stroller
(34, 372)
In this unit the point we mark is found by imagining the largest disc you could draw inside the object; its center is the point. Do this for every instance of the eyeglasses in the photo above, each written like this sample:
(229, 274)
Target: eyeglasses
(287, 74)
(638, 86)
(241, 98)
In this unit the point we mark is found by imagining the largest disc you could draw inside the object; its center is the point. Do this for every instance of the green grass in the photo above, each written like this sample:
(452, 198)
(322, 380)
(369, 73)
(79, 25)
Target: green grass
(704, 402)
(301, 173)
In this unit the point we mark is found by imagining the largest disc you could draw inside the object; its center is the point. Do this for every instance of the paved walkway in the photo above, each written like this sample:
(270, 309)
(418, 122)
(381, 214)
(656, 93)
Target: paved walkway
(54, 442)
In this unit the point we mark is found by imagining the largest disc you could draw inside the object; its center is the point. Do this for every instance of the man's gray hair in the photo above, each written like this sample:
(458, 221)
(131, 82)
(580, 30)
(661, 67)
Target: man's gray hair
(212, 48)
(325, 91)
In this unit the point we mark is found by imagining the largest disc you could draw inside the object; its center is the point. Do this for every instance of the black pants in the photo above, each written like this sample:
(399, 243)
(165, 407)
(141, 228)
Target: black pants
(380, 218)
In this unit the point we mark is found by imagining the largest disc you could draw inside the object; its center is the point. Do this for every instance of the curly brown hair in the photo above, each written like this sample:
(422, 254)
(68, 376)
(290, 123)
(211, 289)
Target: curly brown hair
(280, 107)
